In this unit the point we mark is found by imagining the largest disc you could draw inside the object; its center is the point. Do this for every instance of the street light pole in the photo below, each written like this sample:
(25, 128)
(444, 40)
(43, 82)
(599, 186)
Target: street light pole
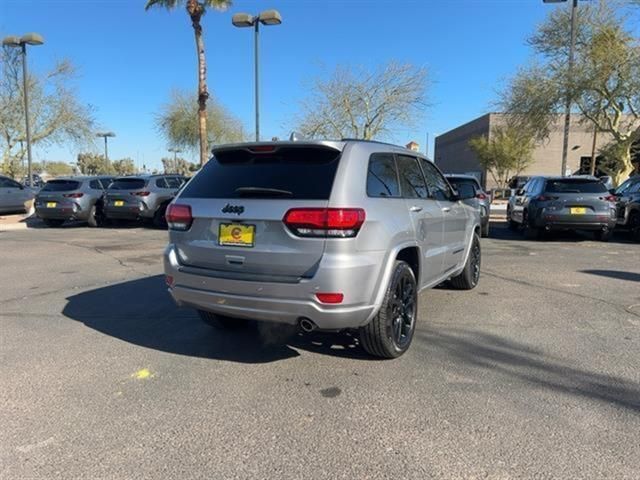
(256, 67)
(22, 42)
(268, 17)
(106, 135)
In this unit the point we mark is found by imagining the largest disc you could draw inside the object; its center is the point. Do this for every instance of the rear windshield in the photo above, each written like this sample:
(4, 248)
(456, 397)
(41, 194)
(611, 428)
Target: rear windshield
(60, 186)
(573, 185)
(304, 173)
(463, 181)
(127, 184)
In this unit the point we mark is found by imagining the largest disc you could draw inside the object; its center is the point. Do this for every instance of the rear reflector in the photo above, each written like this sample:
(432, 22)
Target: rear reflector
(168, 279)
(330, 297)
(481, 196)
(73, 195)
(179, 217)
(610, 198)
(325, 222)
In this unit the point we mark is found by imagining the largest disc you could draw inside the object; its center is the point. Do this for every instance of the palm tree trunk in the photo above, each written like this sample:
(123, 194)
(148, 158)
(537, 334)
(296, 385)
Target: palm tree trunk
(195, 11)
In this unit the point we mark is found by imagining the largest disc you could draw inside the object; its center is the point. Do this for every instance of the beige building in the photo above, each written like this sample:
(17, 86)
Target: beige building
(453, 154)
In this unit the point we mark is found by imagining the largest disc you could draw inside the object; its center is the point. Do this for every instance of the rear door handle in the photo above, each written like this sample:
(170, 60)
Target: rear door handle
(415, 208)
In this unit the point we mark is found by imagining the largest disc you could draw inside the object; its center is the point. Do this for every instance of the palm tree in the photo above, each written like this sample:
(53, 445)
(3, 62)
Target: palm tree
(196, 9)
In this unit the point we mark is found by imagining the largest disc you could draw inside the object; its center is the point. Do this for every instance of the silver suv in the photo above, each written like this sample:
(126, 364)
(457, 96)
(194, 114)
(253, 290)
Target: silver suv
(141, 197)
(329, 235)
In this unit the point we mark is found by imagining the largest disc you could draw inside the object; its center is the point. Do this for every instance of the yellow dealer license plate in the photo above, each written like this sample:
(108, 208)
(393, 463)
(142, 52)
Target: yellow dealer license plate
(118, 203)
(236, 234)
(578, 211)
(51, 204)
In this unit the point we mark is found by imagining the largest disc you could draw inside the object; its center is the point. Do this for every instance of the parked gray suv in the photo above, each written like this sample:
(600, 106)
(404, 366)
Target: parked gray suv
(72, 198)
(141, 197)
(331, 235)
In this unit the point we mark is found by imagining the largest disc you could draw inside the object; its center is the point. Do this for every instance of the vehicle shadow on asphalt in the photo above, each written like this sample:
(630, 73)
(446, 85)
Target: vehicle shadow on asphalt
(517, 363)
(617, 274)
(501, 231)
(141, 312)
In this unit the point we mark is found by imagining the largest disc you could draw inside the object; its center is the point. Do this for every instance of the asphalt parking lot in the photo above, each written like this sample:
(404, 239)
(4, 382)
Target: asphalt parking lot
(534, 374)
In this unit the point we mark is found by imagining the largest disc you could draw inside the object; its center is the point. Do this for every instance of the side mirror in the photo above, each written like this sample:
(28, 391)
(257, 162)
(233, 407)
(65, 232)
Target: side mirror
(520, 192)
(465, 191)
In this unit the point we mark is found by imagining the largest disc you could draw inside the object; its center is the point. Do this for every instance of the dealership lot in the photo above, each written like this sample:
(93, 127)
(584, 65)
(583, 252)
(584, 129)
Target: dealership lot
(534, 373)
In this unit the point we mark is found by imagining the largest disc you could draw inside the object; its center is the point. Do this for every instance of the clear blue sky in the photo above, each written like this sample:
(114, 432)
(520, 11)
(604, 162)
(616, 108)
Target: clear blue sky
(129, 59)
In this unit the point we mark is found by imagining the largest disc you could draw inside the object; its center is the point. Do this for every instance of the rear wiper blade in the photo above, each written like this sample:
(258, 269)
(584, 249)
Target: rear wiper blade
(276, 192)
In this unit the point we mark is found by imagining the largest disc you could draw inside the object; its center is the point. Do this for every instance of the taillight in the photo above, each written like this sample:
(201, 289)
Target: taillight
(325, 222)
(179, 217)
(141, 194)
(481, 196)
(330, 297)
(73, 195)
(610, 198)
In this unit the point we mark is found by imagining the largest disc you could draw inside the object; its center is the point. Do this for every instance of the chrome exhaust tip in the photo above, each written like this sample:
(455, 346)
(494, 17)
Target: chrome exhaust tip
(307, 325)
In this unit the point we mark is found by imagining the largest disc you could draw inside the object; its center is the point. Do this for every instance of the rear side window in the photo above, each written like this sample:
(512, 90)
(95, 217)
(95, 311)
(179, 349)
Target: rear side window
(95, 185)
(382, 177)
(411, 180)
(173, 182)
(463, 181)
(127, 184)
(304, 173)
(105, 182)
(60, 186)
(572, 185)
(161, 183)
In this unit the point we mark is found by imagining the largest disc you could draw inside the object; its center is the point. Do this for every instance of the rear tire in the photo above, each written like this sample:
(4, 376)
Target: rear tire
(470, 275)
(603, 236)
(530, 232)
(221, 322)
(159, 219)
(92, 221)
(485, 230)
(53, 222)
(634, 225)
(390, 332)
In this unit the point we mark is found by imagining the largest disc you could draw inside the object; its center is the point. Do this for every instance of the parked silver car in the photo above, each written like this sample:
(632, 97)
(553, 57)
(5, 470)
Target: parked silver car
(563, 203)
(142, 197)
(326, 234)
(481, 200)
(72, 198)
(14, 197)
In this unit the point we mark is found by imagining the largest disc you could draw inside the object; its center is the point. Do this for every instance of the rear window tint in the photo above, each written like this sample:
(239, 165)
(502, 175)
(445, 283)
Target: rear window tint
(304, 173)
(463, 181)
(60, 186)
(127, 184)
(568, 185)
(382, 177)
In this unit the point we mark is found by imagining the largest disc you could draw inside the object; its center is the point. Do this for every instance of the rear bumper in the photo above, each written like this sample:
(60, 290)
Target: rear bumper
(552, 219)
(128, 212)
(66, 212)
(284, 302)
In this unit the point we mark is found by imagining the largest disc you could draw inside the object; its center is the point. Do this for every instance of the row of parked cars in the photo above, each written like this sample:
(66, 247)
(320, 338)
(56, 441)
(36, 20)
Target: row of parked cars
(545, 204)
(96, 200)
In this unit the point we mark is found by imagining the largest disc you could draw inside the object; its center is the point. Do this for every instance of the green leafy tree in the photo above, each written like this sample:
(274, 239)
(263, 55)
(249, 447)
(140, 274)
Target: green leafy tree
(506, 152)
(124, 166)
(92, 164)
(57, 116)
(362, 103)
(604, 86)
(178, 165)
(57, 169)
(177, 122)
(196, 9)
